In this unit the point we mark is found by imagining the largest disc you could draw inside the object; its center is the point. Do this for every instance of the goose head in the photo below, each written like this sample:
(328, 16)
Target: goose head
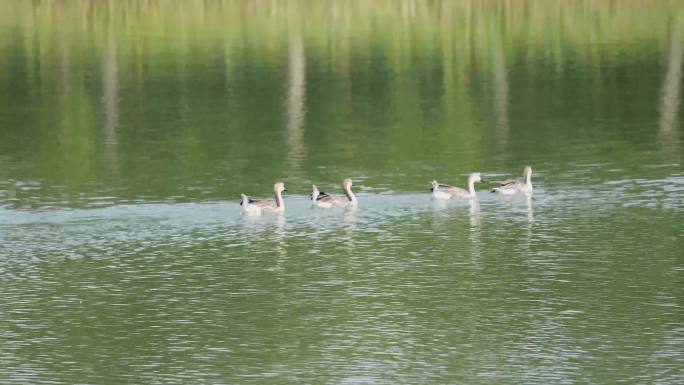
(475, 177)
(527, 171)
(279, 187)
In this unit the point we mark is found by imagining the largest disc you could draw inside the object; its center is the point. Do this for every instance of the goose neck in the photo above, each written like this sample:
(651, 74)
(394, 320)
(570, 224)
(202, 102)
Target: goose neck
(350, 195)
(471, 187)
(278, 198)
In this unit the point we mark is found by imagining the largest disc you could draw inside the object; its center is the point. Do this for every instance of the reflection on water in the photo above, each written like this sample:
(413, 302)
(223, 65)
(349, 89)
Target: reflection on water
(474, 213)
(296, 98)
(500, 96)
(205, 100)
(671, 95)
(110, 101)
(530, 219)
(129, 129)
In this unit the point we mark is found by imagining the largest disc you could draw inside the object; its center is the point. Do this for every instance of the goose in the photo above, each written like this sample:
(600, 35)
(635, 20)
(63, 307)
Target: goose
(325, 200)
(512, 186)
(444, 191)
(254, 206)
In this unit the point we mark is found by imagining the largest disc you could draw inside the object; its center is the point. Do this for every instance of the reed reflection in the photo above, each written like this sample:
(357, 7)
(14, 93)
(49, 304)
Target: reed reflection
(296, 103)
(500, 95)
(110, 102)
(668, 133)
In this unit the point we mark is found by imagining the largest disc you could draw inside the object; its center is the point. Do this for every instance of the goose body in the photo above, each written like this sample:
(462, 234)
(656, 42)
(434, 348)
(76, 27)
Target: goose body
(325, 200)
(254, 206)
(445, 191)
(512, 186)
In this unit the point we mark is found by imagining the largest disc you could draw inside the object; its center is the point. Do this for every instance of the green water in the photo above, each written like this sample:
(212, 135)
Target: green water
(128, 130)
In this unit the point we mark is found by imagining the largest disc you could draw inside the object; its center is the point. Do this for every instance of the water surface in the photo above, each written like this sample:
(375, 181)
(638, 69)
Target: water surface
(128, 131)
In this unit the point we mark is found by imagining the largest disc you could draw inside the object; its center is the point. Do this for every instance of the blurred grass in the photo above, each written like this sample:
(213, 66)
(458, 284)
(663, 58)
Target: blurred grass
(120, 88)
(464, 33)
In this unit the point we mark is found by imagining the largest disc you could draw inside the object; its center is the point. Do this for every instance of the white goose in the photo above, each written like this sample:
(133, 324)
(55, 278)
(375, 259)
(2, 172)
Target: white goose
(321, 199)
(444, 191)
(253, 206)
(512, 186)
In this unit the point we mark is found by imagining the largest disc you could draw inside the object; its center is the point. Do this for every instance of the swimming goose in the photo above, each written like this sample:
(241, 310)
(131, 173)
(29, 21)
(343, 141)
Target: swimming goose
(513, 186)
(325, 200)
(444, 191)
(253, 206)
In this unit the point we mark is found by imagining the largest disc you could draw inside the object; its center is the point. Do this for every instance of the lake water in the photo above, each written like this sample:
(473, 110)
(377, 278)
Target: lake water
(129, 129)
